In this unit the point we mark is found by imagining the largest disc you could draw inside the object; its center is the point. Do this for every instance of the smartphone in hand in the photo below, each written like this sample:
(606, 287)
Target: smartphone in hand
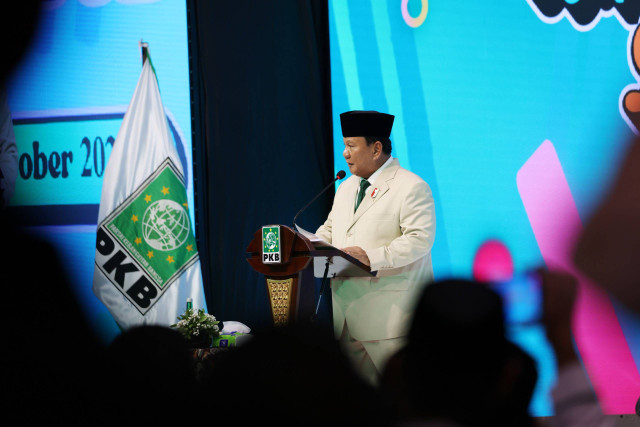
(522, 299)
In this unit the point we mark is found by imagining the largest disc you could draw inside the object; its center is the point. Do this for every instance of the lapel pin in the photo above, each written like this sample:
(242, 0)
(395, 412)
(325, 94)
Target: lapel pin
(374, 193)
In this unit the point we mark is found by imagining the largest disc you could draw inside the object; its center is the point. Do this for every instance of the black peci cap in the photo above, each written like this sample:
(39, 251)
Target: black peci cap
(366, 123)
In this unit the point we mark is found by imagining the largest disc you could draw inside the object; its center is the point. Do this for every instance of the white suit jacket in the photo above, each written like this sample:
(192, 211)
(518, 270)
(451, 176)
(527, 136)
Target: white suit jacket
(395, 224)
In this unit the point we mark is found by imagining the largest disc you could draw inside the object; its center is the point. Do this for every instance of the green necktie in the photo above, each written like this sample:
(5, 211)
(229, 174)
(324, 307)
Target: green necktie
(363, 187)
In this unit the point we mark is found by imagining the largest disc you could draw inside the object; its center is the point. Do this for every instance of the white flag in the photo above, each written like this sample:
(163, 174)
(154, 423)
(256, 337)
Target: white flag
(146, 263)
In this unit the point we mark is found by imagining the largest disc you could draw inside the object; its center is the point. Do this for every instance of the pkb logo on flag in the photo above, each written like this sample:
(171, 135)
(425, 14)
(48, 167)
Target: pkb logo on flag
(146, 243)
(271, 244)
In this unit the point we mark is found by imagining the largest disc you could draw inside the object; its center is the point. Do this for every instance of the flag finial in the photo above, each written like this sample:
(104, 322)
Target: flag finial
(145, 50)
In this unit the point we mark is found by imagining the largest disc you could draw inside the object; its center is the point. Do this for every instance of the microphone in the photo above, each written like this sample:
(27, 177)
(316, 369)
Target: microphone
(339, 176)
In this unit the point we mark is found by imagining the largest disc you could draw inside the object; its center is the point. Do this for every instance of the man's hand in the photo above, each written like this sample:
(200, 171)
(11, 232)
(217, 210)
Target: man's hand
(358, 253)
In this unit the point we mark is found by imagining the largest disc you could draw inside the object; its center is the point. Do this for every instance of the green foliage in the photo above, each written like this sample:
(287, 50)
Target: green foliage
(196, 324)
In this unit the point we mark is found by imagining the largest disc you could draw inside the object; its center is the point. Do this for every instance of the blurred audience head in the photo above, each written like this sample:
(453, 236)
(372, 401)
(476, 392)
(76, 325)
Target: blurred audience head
(296, 375)
(458, 366)
(51, 364)
(148, 376)
(21, 20)
(608, 250)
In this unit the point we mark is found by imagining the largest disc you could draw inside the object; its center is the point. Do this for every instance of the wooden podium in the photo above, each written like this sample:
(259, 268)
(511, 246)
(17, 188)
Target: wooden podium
(293, 272)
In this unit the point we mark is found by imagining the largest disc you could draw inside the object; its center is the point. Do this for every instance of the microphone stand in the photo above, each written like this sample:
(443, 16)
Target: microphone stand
(314, 199)
(338, 177)
(314, 317)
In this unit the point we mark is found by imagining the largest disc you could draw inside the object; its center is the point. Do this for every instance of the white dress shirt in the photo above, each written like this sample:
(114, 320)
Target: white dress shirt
(375, 175)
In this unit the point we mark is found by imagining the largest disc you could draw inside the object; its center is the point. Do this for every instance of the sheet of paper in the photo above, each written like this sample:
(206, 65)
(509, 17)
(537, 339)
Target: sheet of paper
(338, 266)
(309, 235)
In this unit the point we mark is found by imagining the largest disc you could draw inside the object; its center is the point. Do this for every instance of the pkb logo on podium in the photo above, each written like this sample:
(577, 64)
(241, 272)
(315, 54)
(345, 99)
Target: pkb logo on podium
(271, 244)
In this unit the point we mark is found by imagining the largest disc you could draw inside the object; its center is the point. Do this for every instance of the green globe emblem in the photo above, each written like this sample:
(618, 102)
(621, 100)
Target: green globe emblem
(165, 225)
(271, 240)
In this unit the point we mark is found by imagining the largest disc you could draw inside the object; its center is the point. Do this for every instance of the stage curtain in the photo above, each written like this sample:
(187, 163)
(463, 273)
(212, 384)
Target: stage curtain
(262, 134)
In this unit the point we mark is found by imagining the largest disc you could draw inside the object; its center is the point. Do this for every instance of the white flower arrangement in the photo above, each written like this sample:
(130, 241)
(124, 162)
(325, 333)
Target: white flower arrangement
(193, 324)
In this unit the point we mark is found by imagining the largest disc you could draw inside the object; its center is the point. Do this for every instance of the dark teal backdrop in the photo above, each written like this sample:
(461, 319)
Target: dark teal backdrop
(262, 137)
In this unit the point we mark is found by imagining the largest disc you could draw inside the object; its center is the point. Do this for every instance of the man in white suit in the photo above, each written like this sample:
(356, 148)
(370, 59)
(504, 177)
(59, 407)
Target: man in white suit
(384, 216)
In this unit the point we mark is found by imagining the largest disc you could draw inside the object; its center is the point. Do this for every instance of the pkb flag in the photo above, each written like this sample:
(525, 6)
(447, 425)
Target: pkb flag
(146, 263)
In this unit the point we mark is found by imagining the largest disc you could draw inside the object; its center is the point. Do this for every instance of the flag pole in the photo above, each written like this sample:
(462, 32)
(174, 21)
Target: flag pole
(145, 50)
